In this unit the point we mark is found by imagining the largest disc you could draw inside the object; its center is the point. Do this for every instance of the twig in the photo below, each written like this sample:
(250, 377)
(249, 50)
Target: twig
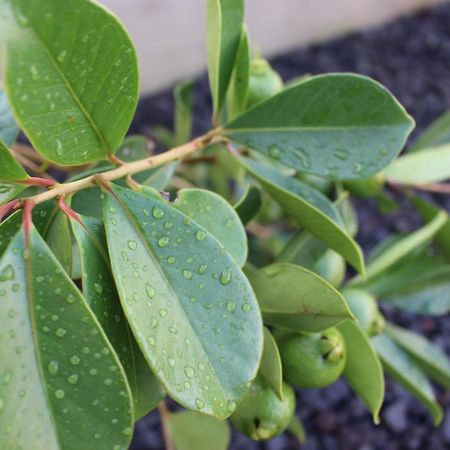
(164, 414)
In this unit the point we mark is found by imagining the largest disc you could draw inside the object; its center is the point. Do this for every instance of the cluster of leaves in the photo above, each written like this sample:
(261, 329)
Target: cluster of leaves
(112, 296)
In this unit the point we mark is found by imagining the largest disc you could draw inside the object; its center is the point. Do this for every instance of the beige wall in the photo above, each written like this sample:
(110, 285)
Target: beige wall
(169, 34)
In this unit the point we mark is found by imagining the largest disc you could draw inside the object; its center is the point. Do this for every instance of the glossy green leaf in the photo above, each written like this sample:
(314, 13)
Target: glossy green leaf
(224, 24)
(400, 366)
(10, 170)
(404, 246)
(339, 126)
(239, 84)
(303, 249)
(72, 88)
(184, 102)
(249, 204)
(270, 369)
(61, 379)
(433, 361)
(429, 165)
(100, 293)
(363, 369)
(310, 208)
(8, 127)
(190, 307)
(437, 133)
(9, 191)
(194, 431)
(295, 298)
(216, 216)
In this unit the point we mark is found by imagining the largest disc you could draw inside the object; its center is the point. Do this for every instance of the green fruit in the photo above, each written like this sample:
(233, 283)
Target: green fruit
(366, 187)
(264, 82)
(262, 415)
(365, 308)
(313, 360)
(331, 266)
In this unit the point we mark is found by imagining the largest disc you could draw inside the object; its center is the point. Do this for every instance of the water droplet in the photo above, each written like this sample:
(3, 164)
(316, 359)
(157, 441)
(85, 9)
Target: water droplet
(200, 235)
(202, 269)
(60, 394)
(225, 277)
(98, 288)
(231, 406)
(246, 307)
(171, 361)
(70, 299)
(7, 273)
(6, 378)
(108, 382)
(163, 241)
(150, 291)
(275, 152)
(163, 312)
(341, 153)
(200, 403)
(173, 330)
(302, 156)
(189, 371)
(75, 360)
(62, 56)
(187, 274)
(61, 332)
(127, 431)
(231, 306)
(157, 213)
(170, 259)
(59, 147)
(132, 245)
(73, 379)
(53, 367)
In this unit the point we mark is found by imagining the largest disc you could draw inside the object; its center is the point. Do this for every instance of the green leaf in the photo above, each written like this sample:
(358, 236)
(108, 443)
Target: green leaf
(310, 208)
(11, 170)
(270, 369)
(9, 191)
(184, 102)
(428, 165)
(100, 293)
(58, 368)
(437, 133)
(240, 79)
(363, 369)
(224, 24)
(295, 298)
(430, 358)
(249, 205)
(72, 88)
(404, 246)
(337, 126)
(190, 307)
(8, 127)
(194, 431)
(216, 216)
(428, 211)
(297, 429)
(399, 365)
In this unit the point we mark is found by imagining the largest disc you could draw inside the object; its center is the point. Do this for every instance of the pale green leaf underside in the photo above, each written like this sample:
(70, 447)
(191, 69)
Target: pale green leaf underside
(10, 169)
(339, 126)
(72, 88)
(8, 127)
(363, 369)
(311, 209)
(401, 367)
(429, 165)
(295, 298)
(190, 307)
(217, 216)
(436, 134)
(193, 431)
(59, 372)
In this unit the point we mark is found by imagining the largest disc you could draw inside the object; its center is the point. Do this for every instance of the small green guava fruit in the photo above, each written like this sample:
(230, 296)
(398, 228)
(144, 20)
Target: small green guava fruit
(365, 308)
(312, 360)
(262, 415)
(331, 267)
(264, 82)
(366, 187)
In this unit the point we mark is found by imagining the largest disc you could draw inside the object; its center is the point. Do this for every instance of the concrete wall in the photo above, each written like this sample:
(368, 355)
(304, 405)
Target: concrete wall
(169, 34)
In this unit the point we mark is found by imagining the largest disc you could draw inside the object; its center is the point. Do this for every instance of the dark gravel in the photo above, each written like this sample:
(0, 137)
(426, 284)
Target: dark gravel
(412, 58)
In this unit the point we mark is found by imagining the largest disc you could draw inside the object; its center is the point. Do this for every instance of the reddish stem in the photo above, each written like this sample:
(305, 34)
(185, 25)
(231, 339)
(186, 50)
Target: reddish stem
(27, 219)
(7, 208)
(36, 181)
(68, 211)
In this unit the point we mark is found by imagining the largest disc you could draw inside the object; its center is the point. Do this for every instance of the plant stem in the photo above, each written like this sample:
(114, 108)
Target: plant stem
(127, 169)
(164, 414)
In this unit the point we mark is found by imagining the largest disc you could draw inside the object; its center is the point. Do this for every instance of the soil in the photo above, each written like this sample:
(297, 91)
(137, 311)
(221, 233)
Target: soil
(411, 57)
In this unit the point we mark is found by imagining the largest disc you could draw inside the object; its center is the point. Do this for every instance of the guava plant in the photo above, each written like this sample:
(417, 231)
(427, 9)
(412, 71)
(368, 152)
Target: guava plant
(213, 272)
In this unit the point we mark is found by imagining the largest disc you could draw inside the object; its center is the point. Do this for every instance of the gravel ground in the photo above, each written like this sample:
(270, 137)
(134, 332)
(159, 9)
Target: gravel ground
(412, 58)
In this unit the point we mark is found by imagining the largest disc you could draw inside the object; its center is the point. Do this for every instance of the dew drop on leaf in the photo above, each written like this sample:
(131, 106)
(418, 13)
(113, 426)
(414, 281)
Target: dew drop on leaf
(132, 245)
(53, 367)
(225, 277)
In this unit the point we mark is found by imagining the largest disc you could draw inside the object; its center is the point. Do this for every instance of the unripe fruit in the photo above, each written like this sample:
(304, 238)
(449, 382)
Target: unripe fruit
(365, 308)
(331, 267)
(312, 360)
(264, 82)
(262, 415)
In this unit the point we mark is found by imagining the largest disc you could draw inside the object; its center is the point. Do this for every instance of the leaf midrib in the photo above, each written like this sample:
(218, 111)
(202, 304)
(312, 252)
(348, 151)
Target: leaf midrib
(294, 129)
